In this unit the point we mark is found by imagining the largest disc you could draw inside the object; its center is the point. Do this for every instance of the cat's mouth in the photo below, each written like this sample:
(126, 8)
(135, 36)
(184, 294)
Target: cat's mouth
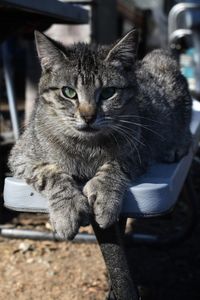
(87, 129)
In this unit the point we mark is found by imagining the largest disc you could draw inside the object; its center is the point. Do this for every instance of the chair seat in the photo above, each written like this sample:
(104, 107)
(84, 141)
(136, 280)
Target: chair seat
(154, 193)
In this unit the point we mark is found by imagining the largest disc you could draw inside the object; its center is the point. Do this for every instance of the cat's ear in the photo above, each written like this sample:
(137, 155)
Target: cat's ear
(48, 51)
(125, 50)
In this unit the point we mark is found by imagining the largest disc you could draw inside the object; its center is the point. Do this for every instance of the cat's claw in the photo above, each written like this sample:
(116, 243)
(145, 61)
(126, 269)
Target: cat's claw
(104, 202)
(105, 216)
(66, 222)
(65, 230)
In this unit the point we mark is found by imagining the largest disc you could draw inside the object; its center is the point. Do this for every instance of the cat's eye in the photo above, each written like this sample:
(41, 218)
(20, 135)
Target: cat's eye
(107, 93)
(69, 92)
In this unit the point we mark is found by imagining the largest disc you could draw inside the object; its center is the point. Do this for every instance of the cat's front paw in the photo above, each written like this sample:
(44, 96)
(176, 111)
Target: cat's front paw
(104, 200)
(66, 220)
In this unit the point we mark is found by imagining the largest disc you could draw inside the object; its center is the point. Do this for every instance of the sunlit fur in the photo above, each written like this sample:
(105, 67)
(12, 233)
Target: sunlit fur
(82, 153)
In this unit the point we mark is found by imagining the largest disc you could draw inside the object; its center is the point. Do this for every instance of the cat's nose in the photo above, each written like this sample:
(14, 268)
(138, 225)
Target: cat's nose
(87, 112)
(89, 119)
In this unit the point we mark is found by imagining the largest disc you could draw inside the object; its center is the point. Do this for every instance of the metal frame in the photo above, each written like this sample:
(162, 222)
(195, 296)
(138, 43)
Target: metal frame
(177, 10)
(175, 33)
(175, 13)
(10, 89)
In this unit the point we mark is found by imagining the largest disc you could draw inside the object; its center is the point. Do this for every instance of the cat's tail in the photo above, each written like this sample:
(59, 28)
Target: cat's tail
(111, 245)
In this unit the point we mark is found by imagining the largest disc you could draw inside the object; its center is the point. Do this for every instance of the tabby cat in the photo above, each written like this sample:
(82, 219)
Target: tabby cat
(100, 119)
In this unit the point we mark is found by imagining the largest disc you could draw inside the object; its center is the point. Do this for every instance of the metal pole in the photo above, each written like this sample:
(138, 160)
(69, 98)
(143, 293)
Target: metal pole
(175, 13)
(42, 235)
(10, 90)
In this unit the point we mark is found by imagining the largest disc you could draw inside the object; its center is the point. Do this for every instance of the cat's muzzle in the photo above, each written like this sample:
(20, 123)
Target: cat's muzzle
(86, 128)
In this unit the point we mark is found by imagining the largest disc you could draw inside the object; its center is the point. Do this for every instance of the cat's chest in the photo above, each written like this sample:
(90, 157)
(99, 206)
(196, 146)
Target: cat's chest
(86, 167)
(83, 162)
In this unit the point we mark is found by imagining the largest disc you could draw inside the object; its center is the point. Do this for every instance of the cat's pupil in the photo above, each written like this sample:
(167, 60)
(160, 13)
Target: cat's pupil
(69, 92)
(107, 93)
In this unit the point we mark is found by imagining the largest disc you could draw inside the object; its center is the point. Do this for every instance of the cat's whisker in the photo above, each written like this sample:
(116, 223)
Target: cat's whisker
(48, 132)
(102, 122)
(67, 122)
(143, 126)
(112, 134)
(140, 117)
(123, 135)
(127, 138)
(136, 123)
(132, 136)
(131, 130)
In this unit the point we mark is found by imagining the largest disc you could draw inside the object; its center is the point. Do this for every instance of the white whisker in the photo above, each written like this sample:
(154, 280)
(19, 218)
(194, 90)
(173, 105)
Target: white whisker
(140, 117)
(127, 138)
(143, 126)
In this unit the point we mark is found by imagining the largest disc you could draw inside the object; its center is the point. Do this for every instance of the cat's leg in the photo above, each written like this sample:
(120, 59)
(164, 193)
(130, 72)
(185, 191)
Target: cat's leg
(68, 207)
(105, 192)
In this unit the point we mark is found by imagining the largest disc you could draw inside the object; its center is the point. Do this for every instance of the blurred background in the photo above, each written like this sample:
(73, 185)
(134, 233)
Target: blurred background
(168, 274)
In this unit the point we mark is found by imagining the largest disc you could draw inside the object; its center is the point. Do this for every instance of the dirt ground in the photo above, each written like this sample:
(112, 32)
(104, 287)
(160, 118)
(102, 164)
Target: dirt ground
(43, 270)
(49, 270)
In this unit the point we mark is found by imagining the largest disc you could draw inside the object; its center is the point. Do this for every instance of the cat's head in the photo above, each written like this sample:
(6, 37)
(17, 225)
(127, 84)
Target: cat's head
(88, 88)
